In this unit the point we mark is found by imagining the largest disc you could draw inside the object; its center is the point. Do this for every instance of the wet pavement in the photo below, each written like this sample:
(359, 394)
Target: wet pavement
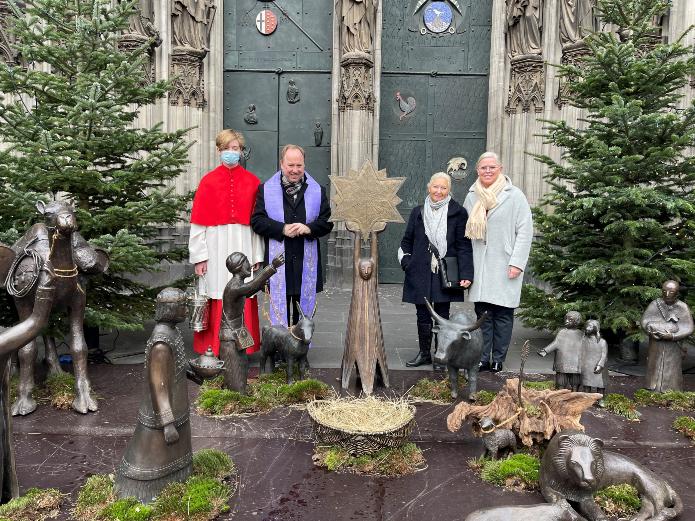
(276, 477)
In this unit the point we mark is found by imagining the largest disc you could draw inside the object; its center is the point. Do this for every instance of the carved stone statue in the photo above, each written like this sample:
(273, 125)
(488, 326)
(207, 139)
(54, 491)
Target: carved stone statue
(364, 340)
(567, 346)
(159, 452)
(576, 20)
(234, 337)
(191, 23)
(58, 241)
(12, 339)
(524, 26)
(358, 25)
(594, 355)
(575, 466)
(667, 321)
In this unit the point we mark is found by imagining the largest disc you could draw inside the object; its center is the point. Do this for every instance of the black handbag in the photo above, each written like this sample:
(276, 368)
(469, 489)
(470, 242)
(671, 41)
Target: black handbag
(448, 270)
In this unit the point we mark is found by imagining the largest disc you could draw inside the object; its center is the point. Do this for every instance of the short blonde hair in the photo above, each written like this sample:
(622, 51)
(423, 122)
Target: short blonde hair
(440, 175)
(225, 137)
(488, 155)
(289, 147)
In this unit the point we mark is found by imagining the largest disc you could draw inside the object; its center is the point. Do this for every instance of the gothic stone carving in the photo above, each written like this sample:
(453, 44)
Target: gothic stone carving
(129, 42)
(7, 51)
(358, 25)
(527, 84)
(191, 23)
(571, 55)
(577, 20)
(524, 27)
(187, 69)
(356, 83)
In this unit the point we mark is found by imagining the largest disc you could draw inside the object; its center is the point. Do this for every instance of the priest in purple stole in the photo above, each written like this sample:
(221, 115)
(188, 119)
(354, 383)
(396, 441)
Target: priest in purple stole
(292, 212)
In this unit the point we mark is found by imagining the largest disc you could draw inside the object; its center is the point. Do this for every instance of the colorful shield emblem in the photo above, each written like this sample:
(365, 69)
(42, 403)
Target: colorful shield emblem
(266, 22)
(438, 17)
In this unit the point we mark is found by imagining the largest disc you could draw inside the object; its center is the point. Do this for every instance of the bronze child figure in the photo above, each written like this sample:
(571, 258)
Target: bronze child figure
(568, 350)
(234, 337)
(594, 357)
(159, 452)
(667, 321)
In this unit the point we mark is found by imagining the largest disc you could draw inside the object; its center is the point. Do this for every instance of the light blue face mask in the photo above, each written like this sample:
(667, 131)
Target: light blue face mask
(230, 157)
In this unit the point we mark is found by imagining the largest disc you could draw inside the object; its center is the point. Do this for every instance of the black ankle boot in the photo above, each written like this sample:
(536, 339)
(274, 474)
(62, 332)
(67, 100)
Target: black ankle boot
(420, 359)
(424, 337)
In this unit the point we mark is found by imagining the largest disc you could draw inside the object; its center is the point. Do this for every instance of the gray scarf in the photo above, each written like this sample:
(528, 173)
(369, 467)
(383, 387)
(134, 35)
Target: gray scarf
(434, 218)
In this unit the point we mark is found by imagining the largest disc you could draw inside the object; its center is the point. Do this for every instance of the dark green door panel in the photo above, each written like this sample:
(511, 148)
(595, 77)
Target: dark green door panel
(447, 75)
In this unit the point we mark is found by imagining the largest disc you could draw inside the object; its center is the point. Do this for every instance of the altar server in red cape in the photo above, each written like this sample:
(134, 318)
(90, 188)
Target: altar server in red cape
(220, 225)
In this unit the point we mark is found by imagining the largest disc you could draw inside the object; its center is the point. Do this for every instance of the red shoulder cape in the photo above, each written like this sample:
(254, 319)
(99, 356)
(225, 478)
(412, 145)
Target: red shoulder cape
(225, 196)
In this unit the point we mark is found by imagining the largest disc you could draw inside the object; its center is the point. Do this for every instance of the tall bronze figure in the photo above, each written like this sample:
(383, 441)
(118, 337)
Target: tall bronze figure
(160, 450)
(72, 257)
(234, 337)
(364, 340)
(667, 321)
(10, 340)
(366, 201)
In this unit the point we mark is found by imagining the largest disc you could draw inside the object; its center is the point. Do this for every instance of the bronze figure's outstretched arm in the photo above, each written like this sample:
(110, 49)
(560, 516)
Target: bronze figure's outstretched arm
(249, 289)
(17, 336)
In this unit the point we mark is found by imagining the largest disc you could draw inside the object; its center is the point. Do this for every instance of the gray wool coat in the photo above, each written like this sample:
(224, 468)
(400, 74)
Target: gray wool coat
(508, 242)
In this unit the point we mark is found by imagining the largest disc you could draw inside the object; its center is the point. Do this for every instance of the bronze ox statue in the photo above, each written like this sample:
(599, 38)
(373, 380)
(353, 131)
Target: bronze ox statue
(459, 346)
(72, 257)
(292, 343)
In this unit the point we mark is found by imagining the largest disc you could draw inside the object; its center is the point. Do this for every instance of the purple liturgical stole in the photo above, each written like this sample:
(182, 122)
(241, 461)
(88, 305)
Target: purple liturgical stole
(274, 206)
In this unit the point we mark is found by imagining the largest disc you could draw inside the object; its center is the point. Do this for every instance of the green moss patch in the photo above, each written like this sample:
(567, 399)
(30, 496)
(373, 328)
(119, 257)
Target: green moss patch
(484, 397)
(203, 497)
(518, 472)
(35, 505)
(438, 391)
(542, 385)
(264, 393)
(619, 500)
(621, 405)
(399, 461)
(57, 390)
(686, 426)
(676, 400)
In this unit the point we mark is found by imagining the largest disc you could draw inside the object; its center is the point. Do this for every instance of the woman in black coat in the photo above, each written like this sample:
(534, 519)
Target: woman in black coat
(437, 228)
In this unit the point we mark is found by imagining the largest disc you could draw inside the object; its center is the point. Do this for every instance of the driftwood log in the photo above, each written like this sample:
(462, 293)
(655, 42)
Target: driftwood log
(542, 414)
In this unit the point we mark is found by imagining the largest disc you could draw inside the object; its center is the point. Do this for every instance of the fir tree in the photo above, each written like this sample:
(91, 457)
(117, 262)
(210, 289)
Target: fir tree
(620, 216)
(68, 114)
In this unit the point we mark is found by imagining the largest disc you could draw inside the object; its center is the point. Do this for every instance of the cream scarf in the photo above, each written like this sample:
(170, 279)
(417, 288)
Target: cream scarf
(476, 227)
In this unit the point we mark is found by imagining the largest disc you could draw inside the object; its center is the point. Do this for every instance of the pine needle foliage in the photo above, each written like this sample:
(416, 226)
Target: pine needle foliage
(69, 114)
(619, 218)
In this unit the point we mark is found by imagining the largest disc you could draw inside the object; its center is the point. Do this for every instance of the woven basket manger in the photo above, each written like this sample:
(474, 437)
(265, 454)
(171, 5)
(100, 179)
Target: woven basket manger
(332, 426)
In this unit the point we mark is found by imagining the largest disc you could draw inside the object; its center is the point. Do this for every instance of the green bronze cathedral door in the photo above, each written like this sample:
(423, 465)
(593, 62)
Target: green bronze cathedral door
(277, 80)
(434, 91)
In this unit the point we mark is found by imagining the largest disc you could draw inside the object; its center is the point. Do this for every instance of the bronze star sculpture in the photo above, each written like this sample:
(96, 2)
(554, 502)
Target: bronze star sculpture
(366, 201)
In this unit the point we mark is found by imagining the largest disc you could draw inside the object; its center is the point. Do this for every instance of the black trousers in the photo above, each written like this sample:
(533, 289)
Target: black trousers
(424, 322)
(497, 330)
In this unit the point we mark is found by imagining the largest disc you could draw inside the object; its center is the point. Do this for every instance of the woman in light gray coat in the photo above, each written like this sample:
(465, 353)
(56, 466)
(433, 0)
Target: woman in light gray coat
(500, 227)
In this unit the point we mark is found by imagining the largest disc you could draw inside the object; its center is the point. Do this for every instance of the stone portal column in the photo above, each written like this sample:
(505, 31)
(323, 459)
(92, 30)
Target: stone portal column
(355, 36)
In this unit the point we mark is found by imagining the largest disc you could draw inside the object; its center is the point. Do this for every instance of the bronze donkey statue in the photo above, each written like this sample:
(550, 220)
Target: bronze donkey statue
(72, 258)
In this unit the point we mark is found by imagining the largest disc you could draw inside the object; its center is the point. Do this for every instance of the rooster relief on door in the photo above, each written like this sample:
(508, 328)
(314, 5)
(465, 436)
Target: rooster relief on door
(406, 105)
